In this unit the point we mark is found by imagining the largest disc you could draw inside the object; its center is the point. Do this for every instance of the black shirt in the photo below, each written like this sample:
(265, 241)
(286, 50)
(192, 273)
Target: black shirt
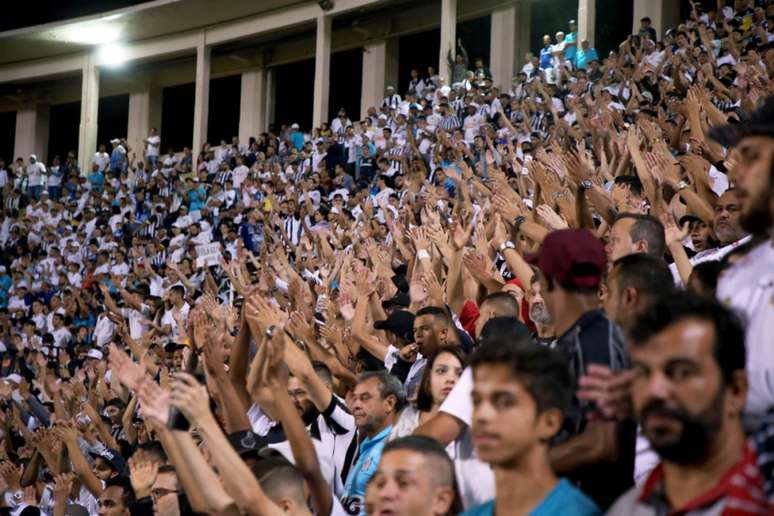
(594, 339)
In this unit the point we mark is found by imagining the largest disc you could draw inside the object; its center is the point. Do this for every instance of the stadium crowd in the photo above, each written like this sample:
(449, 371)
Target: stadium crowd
(553, 299)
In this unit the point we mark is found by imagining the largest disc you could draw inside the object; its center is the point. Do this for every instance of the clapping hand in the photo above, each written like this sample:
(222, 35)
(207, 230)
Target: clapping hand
(191, 398)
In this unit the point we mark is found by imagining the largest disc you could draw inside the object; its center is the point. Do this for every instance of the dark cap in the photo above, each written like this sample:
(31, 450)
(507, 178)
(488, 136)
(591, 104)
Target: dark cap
(572, 257)
(399, 299)
(759, 123)
(688, 217)
(399, 323)
(112, 457)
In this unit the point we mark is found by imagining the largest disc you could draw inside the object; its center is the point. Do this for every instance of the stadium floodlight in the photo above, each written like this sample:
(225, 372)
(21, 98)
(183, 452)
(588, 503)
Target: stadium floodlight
(97, 33)
(112, 55)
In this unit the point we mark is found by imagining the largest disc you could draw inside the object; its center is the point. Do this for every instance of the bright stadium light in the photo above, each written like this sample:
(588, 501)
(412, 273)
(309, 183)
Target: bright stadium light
(112, 55)
(98, 33)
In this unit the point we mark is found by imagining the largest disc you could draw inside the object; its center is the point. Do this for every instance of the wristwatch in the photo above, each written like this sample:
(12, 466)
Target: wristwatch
(586, 184)
(518, 221)
(682, 185)
(506, 245)
(271, 331)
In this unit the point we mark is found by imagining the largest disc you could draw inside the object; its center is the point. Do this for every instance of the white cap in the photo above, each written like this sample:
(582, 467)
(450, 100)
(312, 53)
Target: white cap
(2, 268)
(15, 378)
(294, 126)
(32, 156)
(115, 140)
(94, 353)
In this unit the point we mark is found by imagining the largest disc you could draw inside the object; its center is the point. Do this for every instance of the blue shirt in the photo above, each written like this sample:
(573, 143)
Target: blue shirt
(570, 50)
(545, 57)
(583, 57)
(297, 139)
(97, 181)
(563, 500)
(365, 467)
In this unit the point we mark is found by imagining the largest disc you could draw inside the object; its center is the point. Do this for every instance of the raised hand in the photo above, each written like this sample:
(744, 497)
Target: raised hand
(553, 220)
(30, 496)
(673, 234)
(154, 402)
(142, 473)
(63, 485)
(190, 397)
(11, 474)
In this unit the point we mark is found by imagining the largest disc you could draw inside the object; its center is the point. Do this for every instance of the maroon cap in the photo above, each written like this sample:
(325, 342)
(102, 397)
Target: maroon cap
(572, 257)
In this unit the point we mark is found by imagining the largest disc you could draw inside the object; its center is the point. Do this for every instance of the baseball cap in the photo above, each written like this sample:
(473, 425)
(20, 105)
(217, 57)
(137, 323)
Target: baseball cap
(759, 123)
(294, 126)
(572, 257)
(113, 457)
(399, 323)
(115, 140)
(688, 217)
(95, 354)
(399, 299)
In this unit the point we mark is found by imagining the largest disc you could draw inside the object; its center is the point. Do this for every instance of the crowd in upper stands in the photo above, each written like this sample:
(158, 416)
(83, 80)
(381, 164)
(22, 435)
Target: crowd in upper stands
(553, 297)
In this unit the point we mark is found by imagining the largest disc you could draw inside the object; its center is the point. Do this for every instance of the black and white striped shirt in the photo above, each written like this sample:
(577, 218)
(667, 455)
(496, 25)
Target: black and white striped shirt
(449, 123)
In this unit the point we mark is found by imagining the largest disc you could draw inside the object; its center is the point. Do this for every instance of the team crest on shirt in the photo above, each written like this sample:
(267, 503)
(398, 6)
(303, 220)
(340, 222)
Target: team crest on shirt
(367, 464)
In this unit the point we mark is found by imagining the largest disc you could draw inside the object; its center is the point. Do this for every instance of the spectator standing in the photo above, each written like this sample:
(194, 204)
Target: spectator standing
(152, 148)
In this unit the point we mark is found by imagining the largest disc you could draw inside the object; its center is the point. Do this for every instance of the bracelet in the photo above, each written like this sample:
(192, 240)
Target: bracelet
(682, 185)
(586, 184)
(423, 255)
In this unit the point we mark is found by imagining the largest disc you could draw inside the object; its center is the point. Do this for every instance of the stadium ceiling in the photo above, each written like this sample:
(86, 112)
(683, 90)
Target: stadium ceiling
(131, 24)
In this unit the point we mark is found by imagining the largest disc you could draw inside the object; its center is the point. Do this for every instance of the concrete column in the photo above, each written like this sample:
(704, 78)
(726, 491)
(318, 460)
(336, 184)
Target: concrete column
(32, 131)
(380, 69)
(664, 14)
(201, 98)
(87, 135)
(270, 90)
(448, 38)
(587, 12)
(144, 113)
(502, 53)
(252, 105)
(523, 33)
(322, 70)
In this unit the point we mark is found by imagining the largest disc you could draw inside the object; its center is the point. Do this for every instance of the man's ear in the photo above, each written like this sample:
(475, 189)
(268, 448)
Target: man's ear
(630, 297)
(549, 422)
(390, 403)
(641, 246)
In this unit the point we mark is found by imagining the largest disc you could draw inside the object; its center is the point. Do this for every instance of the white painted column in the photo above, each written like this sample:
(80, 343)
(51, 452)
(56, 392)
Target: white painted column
(380, 69)
(322, 70)
(32, 132)
(270, 90)
(523, 34)
(201, 98)
(252, 105)
(144, 113)
(663, 14)
(87, 134)
(502, 45)
(587, 12)
(448, 38)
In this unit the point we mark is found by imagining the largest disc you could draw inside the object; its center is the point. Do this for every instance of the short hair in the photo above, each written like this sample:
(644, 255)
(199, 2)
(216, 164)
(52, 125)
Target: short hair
(507, 328)
(442, 466)
(124, 483)
(390, 386)
(632, 182)
(728, 348)
(649, 275)
(322, 371)
(645, 19)
(424, 401)
(504, 304)
(649, 229)
(439, 314)
(178, 288)
(544, 372)
(279, 478)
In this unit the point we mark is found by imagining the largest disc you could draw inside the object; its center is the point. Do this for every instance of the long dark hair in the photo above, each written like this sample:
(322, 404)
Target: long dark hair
(424, 401)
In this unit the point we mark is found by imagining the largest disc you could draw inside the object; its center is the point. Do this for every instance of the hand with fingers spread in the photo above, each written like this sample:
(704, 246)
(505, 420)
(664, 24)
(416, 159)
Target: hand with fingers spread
(553, 220)
(11, 474)
(433, 288)
(30, 496)
(142, 473)
(261, 315)
(673, 234)
(63, 485)
(124, 368)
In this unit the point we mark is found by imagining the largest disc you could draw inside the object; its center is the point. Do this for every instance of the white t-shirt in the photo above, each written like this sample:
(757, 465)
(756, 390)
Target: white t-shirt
(475, 479)
(709, 255)
(102, 159)
(154, 143)
(748, 287)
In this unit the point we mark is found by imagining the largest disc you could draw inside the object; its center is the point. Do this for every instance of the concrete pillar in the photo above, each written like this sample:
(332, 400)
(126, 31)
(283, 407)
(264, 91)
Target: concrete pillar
(252, 105)
(664, 14)
(448, 38)
(32, 122)
(380, 69)
(322, 70)
(144, 113)
(87, 134)
(502, 47)
(270, 90)
(523, 33)
(201, 98)
(587, 12)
